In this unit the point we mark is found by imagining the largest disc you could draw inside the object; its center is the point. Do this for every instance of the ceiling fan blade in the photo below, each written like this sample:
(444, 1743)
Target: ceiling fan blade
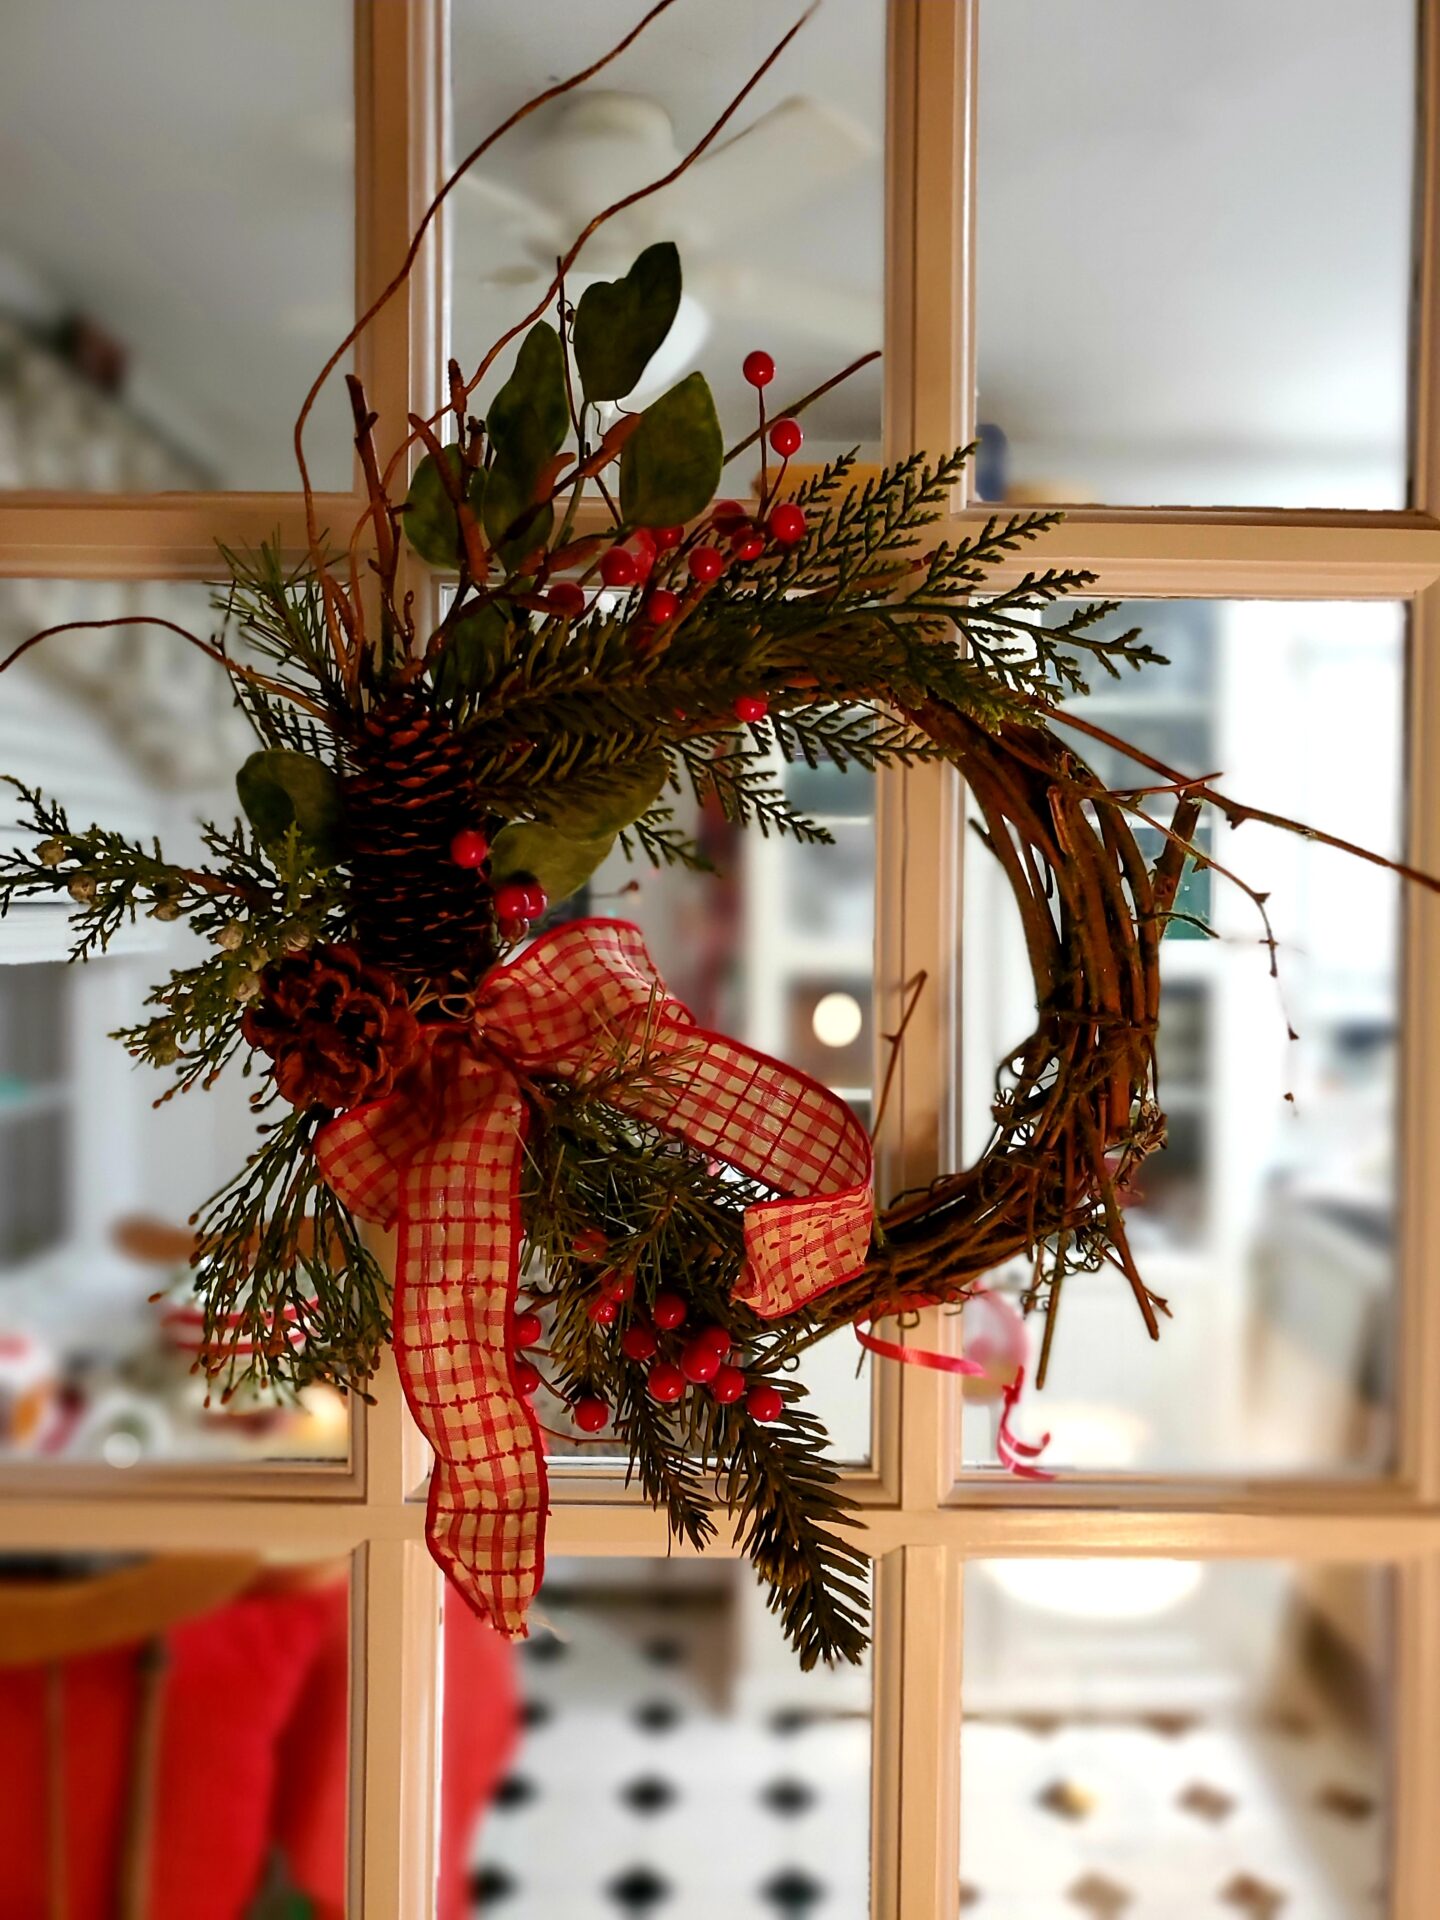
(841, 317)
(482, 201)
(799, 149)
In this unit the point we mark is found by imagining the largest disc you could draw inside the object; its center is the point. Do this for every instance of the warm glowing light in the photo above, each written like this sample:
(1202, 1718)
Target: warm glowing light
(837, 1019)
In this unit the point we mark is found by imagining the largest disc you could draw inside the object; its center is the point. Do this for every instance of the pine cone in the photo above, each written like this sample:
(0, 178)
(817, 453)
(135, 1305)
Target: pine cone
(412, 908)
(339, 1031)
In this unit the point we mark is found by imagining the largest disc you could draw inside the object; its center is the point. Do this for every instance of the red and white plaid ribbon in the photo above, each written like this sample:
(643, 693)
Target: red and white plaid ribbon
(440, 1159)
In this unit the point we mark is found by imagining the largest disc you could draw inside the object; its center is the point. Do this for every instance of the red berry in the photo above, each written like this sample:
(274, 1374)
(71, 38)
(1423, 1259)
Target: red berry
(469, 847)
(664, 1382)
(589, 1413)
(748, 545)
(751, 707)
(787, 523)
(699, 1362)
(604, 1310)
(512, 901)
(619, 568)
(717, 1338)
(567, 599)
(536, 900)
(726, 512)
(706, 564)
(643, 540)
(661, 605)
(786, 438)
(513, 929)
(728, 1385)
(758, 368)
(527, 1377)
(764, 1403)
(526, 1328)
(620, 1286)
(668, 538)
(668, 1311)
(590, 1244)
(639, 1343)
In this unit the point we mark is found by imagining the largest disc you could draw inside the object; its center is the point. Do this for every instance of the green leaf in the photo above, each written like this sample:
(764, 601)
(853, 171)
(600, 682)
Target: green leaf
(530, 851)
(510, 489)
(629, 792)
(476, 648)
(670, 466)
(280, 789)
(535, 387)
(431, 523)
(620, 324)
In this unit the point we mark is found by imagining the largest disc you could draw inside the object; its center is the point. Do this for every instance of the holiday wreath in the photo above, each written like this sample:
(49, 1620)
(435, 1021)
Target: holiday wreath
(580, 1176)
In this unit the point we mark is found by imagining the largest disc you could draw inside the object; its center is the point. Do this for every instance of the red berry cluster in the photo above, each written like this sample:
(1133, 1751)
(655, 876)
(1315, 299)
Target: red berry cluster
(726, 536)
(517, 902)
(701, 1358)
(703, 1361)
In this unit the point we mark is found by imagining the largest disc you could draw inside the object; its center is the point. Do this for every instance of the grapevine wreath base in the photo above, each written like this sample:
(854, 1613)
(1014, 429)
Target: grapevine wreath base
(587, 1187)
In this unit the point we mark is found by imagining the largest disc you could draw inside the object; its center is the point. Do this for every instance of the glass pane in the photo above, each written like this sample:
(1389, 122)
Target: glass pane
(1194, 252)
(176, 242)
(175, 1734)
(775, 948)
(1268, 1222)
(674, 1759)
(1174, 1740)
(132, 728)
(780, 230)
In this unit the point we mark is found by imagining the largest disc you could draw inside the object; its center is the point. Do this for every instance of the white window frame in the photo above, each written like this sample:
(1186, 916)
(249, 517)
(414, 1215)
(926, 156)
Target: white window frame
(920, 1521)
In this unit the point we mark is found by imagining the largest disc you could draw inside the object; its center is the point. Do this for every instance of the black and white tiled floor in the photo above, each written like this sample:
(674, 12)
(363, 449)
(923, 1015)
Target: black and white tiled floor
(676, 1765)
(1170, 1817)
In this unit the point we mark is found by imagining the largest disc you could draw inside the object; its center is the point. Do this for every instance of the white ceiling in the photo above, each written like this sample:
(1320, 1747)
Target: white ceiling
(1194, 216)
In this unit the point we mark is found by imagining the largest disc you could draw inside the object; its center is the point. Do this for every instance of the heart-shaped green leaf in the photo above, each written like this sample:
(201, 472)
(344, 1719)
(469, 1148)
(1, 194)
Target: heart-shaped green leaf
(632, 789)
(619, 324)
(515, 524)
(530, 851)
(537, 387)
(670, 466)
(280, 789)
(431, 523)
(476, 648)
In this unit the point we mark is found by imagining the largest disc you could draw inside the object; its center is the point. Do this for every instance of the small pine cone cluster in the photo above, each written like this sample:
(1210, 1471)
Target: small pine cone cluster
(413, 909)
(339, 1031)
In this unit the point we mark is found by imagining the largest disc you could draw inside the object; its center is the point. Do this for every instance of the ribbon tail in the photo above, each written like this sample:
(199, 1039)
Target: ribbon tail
(458, 1261)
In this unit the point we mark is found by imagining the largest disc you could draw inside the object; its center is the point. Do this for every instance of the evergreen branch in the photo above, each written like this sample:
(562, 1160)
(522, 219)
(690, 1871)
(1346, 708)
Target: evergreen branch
(743, 786)
(292, 1294)
(662, 844)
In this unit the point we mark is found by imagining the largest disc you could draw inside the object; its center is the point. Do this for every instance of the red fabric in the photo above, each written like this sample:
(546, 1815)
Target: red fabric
(479, 1729)
(244, 1763)
(442, 1159)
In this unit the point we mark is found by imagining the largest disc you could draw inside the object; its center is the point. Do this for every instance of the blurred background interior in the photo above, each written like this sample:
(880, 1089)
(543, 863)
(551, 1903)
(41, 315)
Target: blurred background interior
(1188, 294)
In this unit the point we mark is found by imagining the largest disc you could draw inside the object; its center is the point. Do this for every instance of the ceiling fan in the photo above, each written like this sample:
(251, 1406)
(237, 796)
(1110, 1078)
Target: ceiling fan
(604, 145)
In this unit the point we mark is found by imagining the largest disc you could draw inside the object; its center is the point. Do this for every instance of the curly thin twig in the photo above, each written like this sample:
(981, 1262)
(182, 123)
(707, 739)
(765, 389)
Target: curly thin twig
(275, 687)
(383, 299)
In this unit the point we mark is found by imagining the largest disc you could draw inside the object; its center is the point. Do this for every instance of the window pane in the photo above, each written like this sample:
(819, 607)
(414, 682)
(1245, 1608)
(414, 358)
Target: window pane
(781, 234)
(1174, 1738)
(176, 242)
(674, 1759)
(1268, 1223)
(134, 729)
(1194, 254)
(139, 1699)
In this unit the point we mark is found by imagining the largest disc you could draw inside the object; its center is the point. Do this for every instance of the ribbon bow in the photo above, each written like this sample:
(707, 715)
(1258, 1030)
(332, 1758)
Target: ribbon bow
(441, 1158)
